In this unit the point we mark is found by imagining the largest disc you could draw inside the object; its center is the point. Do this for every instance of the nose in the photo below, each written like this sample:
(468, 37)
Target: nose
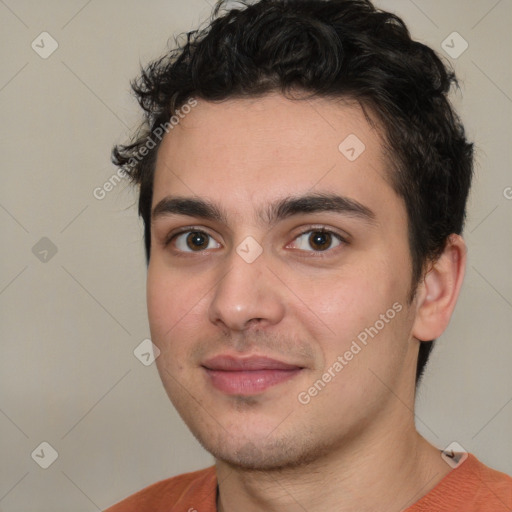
(248, 295)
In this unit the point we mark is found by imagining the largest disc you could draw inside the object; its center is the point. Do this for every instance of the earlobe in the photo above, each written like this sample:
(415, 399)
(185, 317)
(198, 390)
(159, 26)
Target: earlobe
(437, 294)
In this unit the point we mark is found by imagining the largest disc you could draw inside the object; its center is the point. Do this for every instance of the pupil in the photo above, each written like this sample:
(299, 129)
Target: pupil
(320, 240)
(196, 240)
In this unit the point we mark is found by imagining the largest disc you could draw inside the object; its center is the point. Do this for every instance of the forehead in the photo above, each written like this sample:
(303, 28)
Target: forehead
(244, 150)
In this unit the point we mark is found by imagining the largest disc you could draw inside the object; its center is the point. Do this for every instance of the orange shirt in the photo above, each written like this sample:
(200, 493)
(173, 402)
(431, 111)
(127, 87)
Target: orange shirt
(470, 487)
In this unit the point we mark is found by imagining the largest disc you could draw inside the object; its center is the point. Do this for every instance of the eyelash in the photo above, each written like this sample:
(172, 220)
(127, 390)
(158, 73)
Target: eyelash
(314, 229)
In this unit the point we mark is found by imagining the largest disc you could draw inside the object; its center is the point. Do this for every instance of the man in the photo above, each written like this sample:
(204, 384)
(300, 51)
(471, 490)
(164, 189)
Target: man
(303, 181)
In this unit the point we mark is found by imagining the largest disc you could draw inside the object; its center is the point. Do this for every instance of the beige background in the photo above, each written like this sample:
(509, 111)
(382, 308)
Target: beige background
(69, 325)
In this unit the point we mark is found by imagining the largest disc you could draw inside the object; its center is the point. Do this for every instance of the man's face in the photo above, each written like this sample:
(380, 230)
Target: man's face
(321, 293)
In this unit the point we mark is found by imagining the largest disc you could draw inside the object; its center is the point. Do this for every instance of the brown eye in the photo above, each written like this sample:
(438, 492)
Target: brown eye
(320, 240)
(197, 241)
(194, 241)
(317, 240)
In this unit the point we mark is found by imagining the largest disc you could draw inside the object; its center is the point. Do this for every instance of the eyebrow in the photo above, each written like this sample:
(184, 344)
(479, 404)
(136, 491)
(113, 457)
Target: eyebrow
(277, 211)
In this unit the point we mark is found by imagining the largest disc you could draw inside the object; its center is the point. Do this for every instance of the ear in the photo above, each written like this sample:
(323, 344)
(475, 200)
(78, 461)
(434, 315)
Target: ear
(437, 294)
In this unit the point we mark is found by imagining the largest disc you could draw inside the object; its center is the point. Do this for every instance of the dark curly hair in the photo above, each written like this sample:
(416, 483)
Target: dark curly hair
(331, 49)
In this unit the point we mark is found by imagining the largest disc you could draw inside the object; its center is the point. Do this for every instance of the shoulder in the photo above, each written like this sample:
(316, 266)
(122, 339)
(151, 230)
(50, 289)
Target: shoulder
(471, 486)
(492, 486)
(182, 492)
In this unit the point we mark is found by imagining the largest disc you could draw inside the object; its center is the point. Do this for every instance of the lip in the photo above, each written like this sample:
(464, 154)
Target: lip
(249, 375)
(230, 363)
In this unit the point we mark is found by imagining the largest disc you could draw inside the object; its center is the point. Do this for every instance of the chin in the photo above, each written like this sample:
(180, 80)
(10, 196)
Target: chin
(266, 454)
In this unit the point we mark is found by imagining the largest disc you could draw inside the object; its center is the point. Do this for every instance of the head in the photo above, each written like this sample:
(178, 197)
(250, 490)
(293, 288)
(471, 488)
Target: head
(265, 97)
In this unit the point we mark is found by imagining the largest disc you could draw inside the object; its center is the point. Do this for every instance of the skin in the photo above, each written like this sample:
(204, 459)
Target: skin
(297, 304)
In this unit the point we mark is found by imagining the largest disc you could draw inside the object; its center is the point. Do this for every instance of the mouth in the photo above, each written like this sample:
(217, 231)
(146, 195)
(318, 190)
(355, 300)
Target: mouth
(248, 376)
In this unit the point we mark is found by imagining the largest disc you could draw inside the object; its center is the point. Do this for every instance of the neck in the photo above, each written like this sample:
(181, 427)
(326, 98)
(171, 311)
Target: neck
(388, 470)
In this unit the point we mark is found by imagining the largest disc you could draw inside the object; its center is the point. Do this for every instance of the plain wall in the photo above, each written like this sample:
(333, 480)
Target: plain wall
(70, 324)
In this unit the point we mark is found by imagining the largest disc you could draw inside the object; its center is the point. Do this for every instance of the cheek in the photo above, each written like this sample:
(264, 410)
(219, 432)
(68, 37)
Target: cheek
(354, 296)
(363, 310)
(160, 304)
(177, 307)
(168, 301)
(169, 321)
